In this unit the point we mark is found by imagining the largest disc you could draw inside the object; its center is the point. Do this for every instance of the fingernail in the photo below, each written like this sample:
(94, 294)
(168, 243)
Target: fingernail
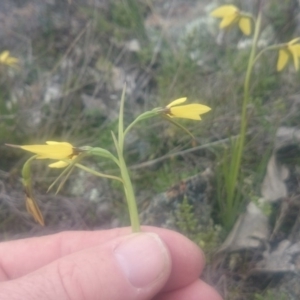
(143, 258)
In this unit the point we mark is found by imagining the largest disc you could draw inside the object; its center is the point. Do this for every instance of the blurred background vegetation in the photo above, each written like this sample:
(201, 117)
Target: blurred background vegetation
(74, 58)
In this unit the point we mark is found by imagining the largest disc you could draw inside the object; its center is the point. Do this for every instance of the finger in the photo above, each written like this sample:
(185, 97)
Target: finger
(21, 257)
(187, 259)
(131, 267)
(199, 290)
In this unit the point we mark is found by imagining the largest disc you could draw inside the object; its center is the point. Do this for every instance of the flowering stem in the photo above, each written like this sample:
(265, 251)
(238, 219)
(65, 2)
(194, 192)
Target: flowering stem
(121, 121)
(26, 173)
(273, 47)
(98, 173)
(128, 189)
(103, 153)
(143, 116)
(232, 201)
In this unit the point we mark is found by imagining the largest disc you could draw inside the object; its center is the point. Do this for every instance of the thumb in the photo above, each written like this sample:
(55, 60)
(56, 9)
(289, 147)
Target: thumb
(132, 267)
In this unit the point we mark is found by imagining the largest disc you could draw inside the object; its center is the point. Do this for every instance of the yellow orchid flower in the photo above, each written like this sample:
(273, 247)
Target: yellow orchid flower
(6, 59)
(289, 50)
(53, 150)
(188, 111)
(231, 15)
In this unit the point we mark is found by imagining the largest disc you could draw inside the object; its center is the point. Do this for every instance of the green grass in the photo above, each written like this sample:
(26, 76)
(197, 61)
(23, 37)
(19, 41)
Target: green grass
(270, 295)
(208, 237)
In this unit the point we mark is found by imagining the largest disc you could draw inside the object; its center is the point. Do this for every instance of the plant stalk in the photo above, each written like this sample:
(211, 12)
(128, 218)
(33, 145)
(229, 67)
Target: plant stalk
(128, 189)
(232, 197)
(130, 196)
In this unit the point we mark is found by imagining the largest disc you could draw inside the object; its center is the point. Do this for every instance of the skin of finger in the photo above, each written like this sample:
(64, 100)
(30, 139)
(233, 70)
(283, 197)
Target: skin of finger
(18, 258)
(92, 273)
(198, 290)
(187, 259)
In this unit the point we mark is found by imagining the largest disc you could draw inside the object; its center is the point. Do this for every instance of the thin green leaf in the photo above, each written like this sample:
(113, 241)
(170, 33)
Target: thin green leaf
(121, 119)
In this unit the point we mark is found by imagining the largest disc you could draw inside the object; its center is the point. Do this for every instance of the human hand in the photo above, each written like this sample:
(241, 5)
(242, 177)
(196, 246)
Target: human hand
(109, 265)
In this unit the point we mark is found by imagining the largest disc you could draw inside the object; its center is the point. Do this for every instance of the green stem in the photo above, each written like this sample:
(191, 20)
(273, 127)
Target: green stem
(239, 146)
(129, 192)
(100, 152)
(128, 189)
(133, 211)
(143, 116)
(26, 173)
(121, 121)
(98, 173)
(273, 47)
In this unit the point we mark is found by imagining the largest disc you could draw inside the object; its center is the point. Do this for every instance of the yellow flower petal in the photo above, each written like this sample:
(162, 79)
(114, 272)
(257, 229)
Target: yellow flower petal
(245, 25)
(227, 21)
(60, 164)
(11, 61)
(55, 143)
(224, 11)
(294, 41)
(53, 150)
(297, 49)
(176, 102)
(295, 52)
(3, 56)
(6, 59)
(189, 111)
(283, 58)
